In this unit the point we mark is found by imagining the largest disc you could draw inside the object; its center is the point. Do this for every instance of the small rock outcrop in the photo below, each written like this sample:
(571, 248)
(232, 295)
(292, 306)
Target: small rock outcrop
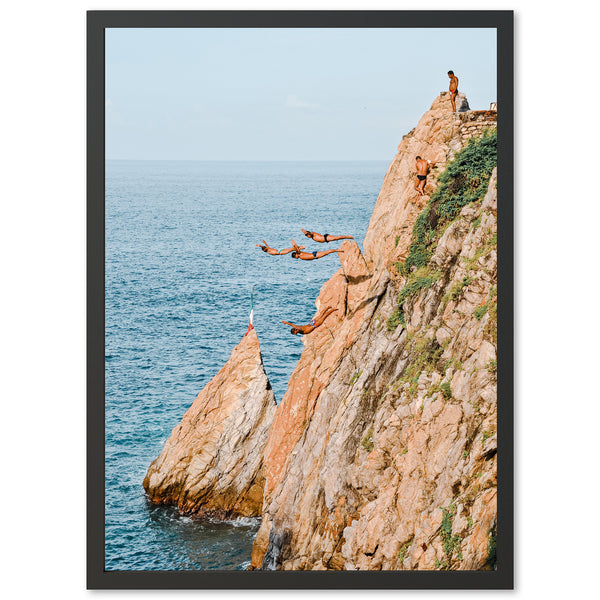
(212, 464)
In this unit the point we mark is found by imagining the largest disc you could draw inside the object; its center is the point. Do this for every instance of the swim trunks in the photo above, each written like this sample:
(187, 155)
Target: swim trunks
(312, 322)
(421, 177)
(315, 253)
(325, 236)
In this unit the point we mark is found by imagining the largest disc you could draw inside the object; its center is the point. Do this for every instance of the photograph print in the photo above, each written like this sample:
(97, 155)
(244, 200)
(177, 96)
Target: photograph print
(301, 301)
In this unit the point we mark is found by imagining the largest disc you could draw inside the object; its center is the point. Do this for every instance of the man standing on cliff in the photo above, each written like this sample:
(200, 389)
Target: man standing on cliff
(453, 89)
(422, 170)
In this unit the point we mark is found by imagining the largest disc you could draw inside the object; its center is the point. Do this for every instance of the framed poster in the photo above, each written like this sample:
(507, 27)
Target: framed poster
(299, 251)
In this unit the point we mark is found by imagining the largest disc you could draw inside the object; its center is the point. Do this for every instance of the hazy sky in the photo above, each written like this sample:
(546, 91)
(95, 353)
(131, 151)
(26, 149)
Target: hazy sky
(283, 94)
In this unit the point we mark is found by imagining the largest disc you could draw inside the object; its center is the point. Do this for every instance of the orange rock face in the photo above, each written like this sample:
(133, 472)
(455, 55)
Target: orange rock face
(365, 458)
(212, 464)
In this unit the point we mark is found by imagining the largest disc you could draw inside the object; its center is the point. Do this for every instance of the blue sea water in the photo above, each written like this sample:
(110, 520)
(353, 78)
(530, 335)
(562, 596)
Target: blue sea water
(180, 261)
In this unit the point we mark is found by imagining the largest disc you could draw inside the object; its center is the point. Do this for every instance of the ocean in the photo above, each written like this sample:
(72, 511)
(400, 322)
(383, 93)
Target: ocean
(181, 258)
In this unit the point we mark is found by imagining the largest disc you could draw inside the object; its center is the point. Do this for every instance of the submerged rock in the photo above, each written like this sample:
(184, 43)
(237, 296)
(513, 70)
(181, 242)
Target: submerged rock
(212, 464)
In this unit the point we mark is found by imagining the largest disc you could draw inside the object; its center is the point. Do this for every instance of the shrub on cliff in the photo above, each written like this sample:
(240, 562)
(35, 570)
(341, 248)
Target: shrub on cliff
(417, 281)
(466, 177)
(465, 180)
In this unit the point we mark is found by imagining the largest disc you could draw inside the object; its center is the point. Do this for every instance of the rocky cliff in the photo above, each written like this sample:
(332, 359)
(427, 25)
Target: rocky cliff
(382, 452)
(212, 464)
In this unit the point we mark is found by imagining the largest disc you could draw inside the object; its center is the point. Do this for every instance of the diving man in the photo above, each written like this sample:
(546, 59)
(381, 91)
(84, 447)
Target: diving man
(314, 323)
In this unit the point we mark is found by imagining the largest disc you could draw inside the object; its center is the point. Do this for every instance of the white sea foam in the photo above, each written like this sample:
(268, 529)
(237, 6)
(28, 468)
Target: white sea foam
(245, 522)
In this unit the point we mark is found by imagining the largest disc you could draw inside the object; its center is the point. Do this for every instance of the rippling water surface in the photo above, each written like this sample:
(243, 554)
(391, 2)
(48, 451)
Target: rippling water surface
(180, 260)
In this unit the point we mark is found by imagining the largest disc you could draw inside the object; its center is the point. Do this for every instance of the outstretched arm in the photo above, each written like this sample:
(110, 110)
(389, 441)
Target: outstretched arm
(265, 246)
(288, 250)
(290, 324)
(268, 249)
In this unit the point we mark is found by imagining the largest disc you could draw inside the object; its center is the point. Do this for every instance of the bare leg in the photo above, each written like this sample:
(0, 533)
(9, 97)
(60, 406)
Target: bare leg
(321, 319)
(333, 238)
(323, 253)
(422, 187)
(452, 99)
(418, 187)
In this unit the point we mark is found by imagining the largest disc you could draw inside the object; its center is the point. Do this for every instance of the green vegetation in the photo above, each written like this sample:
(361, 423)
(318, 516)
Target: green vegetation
(490, 244)
(397, 240)
(492, 366)
(433, 388)
(477, 222)
(424, 353)
(486, 435)
(448, 365)
(491, 308)
(491, 557)
(445, 389)
(480, 311)
(423, 237)
(456, 290)
(400, 268)
(464, 181)
(403, 550)
(355, 377)
(419, 280)
(367, 441)
(469, 522)
(450, 543)
(395, 319)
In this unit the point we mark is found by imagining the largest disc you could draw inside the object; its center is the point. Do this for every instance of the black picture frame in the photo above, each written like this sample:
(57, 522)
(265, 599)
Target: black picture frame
(97, 577)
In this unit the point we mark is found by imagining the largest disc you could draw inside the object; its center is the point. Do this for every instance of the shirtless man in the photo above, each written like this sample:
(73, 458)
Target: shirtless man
(266, 248)
(317, 237)
(314, 323)
(310, 255)
(422, 170)
(453, 89)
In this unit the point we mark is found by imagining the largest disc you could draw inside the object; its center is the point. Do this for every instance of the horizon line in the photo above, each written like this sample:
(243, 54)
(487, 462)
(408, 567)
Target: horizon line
(250, 160)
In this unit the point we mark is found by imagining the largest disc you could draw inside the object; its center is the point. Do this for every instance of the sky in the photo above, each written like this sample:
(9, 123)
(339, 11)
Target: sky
(283, 94)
